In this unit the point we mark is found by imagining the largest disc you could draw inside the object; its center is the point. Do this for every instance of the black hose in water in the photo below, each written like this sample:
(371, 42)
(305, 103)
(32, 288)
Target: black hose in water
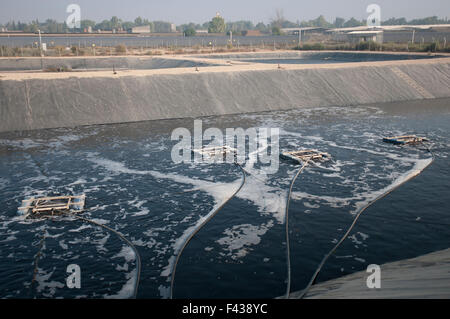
(319, 268)
(174, 268)
(122, 237)
(129, 243)
(37, 258)
(288, 249)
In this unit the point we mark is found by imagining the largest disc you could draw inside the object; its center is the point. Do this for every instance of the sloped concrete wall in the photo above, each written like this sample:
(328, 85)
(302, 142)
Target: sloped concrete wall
(38, 104)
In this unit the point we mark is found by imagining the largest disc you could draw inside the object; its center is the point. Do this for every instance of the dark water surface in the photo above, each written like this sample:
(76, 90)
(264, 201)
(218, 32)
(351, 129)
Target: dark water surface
(132, 185)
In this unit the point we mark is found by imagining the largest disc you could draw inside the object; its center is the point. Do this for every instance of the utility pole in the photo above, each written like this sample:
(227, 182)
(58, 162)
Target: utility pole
(299, 37)
(413, 36)
(40, 50)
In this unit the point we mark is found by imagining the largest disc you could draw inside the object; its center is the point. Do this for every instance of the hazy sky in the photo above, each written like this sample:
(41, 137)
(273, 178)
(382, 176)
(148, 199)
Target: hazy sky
(199, 11)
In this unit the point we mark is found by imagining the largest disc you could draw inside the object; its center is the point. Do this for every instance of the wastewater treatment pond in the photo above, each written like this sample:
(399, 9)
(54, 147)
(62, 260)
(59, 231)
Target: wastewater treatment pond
(132, 186)
(325, 57)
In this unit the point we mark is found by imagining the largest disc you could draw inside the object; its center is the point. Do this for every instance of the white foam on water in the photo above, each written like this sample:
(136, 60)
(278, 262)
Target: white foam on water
(9, 238)
(76, 230)
(100, 221)
(178, 243)
(315, 139)
(48, 288)
(164, 291)
(55, 142)
(79, 181)
(216, 190)
(363, 236)
(418, 167)
(309, 205)
(25, 143)
(239, 238)
(63, 245)
(127, 252)
(220, 192)
(331, 201)
(127, 289)
(138, 204)
(269, 200)
(363, 198)
(354, 239)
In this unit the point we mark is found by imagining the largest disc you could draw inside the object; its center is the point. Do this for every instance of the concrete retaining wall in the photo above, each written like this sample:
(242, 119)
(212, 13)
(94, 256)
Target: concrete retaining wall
(73, 101)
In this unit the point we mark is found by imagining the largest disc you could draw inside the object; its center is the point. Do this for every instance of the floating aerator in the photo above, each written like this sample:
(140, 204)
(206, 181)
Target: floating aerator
(306, 155)
(216, 152)
(405, 139)
(52, 206)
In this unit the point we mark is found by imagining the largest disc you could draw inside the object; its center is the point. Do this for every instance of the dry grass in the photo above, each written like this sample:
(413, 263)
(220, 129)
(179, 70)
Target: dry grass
(61, 51)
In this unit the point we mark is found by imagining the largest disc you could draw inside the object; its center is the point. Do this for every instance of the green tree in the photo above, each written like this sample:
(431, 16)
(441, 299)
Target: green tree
(85, 24)
(276, 30)
(33, 27)
(395, 21)
(289, 24)
(353, 23)
(239, 26)
(115, 22)
(189, 31)
(127, 25)
(321, 22)
(339, 22)
(261, 27)
(217, 25)
(428, 20)
(278, 20)
(104, 25)
(138, 22)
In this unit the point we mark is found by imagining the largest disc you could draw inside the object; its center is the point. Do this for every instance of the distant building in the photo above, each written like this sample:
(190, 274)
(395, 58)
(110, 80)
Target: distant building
(141, 29)
(203, 31)
(251, 33)
(365, 36)
(173, 28)
(304, 30)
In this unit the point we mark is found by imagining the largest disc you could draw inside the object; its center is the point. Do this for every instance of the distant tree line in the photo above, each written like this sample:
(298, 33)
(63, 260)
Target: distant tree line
(52, 26)
(216, 25)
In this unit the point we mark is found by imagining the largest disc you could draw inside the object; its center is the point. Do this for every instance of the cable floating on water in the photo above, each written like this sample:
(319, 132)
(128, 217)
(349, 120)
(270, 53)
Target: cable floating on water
(305, 157)
(207, 219)
(288, 248)
(129, 243)
(409, 141)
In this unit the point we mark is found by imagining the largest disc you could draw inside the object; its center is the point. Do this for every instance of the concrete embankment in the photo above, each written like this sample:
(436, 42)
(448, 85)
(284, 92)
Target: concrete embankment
(426, 276)
(47, 100)
(92, 63)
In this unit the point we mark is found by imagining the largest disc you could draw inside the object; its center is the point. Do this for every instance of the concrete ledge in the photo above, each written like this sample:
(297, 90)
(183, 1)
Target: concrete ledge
(427, 276)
